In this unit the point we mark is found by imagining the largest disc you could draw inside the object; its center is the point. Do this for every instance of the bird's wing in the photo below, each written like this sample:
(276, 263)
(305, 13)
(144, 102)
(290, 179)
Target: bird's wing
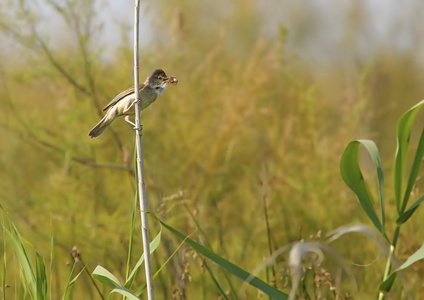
(121, 95)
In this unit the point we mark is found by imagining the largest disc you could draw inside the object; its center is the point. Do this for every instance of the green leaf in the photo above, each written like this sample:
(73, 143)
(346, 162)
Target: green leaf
(235, 270)
(153, 246)
(106, 277)
(352, 176)
(124, 292)
(18, 247)
(415, 168)
(4, 270)
(403, 135)
(66, 295)
(211, 270)
(143, 287)
(386, 285)
(375, 156)
(133, 219)
(408, 213)
(41, 277)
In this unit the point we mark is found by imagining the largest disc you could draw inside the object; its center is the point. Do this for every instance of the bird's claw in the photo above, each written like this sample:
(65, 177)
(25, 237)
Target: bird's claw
(127, 119)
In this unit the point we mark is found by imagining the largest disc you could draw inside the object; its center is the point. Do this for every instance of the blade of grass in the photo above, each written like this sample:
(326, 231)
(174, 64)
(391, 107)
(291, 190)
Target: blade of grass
(408, 213)
(215, 280)
(133, 219)
(124, 292)
(107, 278)
(386, 285)
(268, 233)
(51, 258)
(24, 261)
(232, 268)
(131, 240)
(41, 277)
(143, 287)
(210, 271)
(403, 130)
(67, 293)
(415, 168)
(375, 156)
(352, 176)
(4, 268)
(169, 258)
(153, 246)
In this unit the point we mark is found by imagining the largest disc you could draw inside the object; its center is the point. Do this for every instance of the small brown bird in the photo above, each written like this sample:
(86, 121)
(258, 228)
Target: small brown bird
(154, 86)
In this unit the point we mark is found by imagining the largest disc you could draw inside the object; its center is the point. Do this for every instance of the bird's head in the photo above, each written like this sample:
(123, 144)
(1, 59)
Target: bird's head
(158, 81)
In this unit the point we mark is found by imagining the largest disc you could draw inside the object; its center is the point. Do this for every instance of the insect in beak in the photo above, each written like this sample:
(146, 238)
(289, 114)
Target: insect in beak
(172, 80)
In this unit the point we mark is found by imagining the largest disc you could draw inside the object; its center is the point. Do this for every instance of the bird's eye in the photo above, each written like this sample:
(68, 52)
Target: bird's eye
(157, 88)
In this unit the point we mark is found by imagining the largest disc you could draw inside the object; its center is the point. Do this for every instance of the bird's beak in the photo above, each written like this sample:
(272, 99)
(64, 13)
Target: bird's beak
(172, 80)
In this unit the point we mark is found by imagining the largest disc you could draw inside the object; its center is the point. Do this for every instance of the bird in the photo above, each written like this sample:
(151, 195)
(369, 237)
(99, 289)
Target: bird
(154, 86)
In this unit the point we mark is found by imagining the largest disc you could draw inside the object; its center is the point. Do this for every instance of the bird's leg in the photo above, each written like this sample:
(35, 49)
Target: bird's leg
(127, 119)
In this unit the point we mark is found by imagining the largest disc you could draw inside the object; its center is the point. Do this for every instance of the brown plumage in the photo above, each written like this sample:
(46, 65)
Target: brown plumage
(154, 86)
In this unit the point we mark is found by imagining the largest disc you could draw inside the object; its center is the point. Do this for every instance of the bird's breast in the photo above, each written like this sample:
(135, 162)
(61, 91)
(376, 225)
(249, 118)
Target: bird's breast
(147, 97)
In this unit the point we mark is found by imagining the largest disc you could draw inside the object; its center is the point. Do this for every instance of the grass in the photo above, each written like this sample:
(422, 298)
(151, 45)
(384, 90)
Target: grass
(353, 177)
(236, 127)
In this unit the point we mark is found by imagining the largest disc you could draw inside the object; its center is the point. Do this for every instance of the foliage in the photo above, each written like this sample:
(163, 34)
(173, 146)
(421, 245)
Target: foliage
(352, 175)
(34, 275)
(250, 124)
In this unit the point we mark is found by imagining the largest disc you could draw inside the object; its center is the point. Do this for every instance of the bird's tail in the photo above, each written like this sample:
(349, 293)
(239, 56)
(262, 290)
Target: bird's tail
(100, 127)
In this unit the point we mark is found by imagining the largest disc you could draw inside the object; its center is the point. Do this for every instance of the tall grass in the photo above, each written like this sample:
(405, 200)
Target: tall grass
(352, 175)
(235, 120)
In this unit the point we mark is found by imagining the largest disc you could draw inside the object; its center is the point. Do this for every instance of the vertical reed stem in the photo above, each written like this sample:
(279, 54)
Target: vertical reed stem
(140, 164)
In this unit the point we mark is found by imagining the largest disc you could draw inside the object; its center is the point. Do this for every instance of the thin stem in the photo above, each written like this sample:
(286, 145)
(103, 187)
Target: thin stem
(131, 241)
(140, 164)
(381, 295)
(268, 233)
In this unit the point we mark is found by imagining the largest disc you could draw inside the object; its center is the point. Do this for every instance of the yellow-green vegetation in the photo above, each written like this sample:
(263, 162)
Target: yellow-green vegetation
(249, 124)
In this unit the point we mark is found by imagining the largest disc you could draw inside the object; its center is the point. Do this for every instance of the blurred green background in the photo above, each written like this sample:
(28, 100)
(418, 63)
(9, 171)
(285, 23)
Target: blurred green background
(269, 94)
